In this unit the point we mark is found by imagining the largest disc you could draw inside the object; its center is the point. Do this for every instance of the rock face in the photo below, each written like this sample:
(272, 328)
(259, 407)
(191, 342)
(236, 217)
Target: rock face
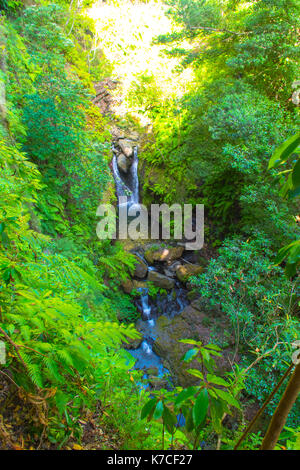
(123, 162)
(127, 286)
(188, 325)
(160, 280)
(161, 253)
(157, 383)
(126, 147)
(152, 371)
(104, 98)
(184, 271)
(133, 343)
(141, 268)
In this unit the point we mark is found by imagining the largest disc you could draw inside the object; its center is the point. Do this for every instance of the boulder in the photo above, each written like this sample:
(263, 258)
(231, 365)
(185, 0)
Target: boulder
(133, 343)
(160, 280)
(184, 271)
(152, 371)
(157, 383)
(197, 304)
(134, 136)
(141, 268)
(127, 286)
(190, 324)
(126, 147)
(163, 253)
(123, 163)
(117, 133)
(139, 284)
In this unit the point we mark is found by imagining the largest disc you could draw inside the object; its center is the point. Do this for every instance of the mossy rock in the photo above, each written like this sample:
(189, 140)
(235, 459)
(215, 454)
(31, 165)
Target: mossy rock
(127, 286)
(184, 271)
(160, 280)
(141, 268)
(163, 253)
(169, 331)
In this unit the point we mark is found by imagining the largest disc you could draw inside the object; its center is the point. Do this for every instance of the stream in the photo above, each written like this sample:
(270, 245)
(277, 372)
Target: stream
(150, 308)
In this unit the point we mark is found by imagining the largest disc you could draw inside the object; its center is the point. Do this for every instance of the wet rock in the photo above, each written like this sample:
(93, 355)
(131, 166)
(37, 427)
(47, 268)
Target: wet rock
(196, 303)
(184, 271)
(127, 286)
(104, 98)
(123, 163)
(133, 343)
(169, 273)
(157, 383)
(117, 133)
(139, 284)
(126, 147)
(190, 324)
(134, 136)
(160, 280)
(141, 268)
(152, 371)
(163, 253)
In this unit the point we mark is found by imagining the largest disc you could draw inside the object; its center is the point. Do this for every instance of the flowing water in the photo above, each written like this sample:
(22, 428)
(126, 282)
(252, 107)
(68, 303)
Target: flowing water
(127, 185)
(170, 304)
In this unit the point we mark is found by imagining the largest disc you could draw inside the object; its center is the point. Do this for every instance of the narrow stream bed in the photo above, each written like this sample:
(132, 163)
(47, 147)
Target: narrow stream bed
(170, 304)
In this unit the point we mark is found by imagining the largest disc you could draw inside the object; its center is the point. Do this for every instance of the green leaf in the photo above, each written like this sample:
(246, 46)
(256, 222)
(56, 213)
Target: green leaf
(158, 410)
(294, 193)
(189, 422)
(148, 407)
(169, 419)
(189, 355)
(296, 174)
(200, 407)
(216, 380)
(184, 395)
(216, 413)
(283, 152)
(190, 341)
(196, 373)
(227, 397)
(213, 346)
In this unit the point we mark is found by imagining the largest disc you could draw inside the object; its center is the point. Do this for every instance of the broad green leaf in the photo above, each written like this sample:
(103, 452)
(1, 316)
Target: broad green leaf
(158, 410)
(190, 341)
(216, 413)
(216, 380)
(184, 395)
(190, 354)
(169, 418)
(196, 373)
(200, 407)
(148, 407)
(283, 152)
(296, 174)
(227, 397)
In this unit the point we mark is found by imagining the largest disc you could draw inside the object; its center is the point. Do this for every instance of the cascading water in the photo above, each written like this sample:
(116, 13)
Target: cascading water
(135, 177)
(130, 189)
(127, 184)
(145, 356)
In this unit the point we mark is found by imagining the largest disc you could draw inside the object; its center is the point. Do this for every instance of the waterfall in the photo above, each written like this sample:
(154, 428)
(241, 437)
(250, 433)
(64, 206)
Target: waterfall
(135, 178)
(146, 347)
(145, 303)
(127, 184)
(130, 189)
(121, 188)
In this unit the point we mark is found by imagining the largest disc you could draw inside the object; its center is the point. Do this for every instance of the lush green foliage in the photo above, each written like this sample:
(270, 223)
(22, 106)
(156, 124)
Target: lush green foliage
(60, 298)
(63, 316)
(194, 403)
(213, 146)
